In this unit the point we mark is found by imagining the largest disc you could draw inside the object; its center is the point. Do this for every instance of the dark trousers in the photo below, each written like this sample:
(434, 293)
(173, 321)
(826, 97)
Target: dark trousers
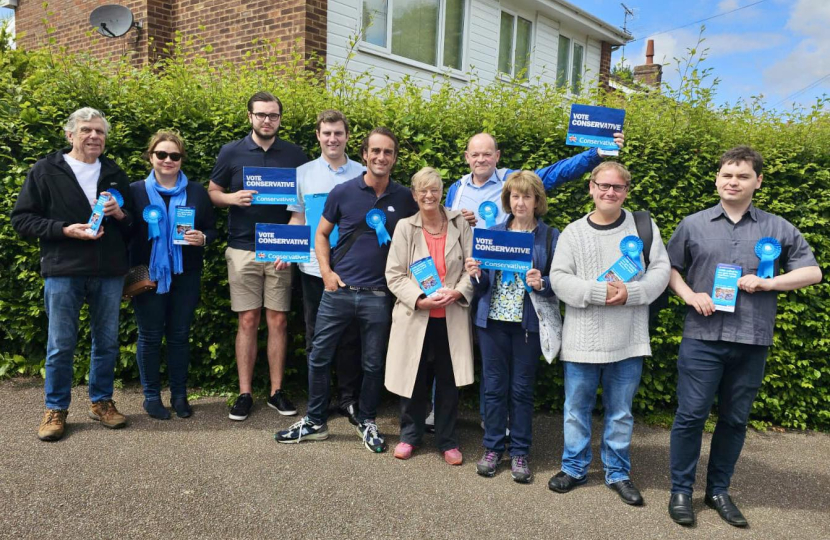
(509, 358)
(166, 316)
(705, 369)
(373, 311)
(436, 365)
(347, 358)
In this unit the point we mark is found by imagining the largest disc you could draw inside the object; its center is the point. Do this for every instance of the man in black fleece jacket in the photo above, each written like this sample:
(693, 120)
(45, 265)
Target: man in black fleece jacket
(54, 206)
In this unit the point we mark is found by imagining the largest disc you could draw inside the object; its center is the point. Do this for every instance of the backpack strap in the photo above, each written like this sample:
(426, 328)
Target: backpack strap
(642, 220)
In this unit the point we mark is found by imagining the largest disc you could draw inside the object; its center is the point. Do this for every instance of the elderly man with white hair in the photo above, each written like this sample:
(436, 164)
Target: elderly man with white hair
(78, 265)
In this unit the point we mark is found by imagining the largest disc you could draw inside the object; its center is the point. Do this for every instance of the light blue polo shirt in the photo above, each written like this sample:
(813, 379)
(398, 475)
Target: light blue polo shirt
(316, 177)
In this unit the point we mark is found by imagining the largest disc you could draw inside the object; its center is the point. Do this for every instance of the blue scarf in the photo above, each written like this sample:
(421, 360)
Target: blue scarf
(164, 250)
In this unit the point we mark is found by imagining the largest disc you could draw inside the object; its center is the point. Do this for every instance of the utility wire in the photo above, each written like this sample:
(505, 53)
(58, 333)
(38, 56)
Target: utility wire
(809, 86)
(701, 20)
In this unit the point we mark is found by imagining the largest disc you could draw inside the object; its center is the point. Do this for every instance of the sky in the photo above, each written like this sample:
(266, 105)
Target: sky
(778, 49)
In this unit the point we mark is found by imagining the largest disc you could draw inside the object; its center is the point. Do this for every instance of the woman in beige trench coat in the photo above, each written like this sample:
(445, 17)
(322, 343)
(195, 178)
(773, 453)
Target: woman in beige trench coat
(431, 337)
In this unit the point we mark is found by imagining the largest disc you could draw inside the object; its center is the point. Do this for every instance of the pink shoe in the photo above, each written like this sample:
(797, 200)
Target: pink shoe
(403, 450)
(453, 457)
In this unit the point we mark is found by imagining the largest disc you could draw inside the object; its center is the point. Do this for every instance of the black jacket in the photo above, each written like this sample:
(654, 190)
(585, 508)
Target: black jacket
(51, 199)
(192, 256)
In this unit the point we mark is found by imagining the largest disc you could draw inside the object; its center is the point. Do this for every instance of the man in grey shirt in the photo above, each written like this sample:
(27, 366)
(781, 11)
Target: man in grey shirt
(723, 353)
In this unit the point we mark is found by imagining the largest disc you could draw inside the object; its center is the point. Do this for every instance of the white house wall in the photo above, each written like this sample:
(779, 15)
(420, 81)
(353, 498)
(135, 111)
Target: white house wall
(481, 45)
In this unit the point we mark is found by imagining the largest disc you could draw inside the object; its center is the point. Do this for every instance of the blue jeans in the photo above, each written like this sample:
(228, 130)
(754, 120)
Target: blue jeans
(373, 311)
(620, 381)
(166, 315)
(731, 371)
(64, 296)
(509, 357)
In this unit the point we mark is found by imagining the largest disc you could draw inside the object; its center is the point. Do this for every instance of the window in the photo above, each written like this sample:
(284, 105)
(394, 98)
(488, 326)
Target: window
(427, 31)
(568, 71)
(514, 45)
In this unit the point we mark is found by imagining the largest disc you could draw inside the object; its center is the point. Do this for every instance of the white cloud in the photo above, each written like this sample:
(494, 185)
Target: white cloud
(809, 60)
(727, 5)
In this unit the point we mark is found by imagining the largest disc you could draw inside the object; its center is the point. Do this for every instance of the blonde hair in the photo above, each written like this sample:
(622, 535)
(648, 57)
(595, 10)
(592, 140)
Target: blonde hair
(526, 183)
(163, 135)
(612, 166)
(426, 177)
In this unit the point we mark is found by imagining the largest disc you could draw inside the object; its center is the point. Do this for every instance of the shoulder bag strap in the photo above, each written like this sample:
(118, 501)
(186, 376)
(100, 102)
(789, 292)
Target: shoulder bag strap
(642, 219)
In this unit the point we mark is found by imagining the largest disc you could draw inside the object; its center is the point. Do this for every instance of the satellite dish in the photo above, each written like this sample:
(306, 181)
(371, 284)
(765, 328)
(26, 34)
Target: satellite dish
(112, 20)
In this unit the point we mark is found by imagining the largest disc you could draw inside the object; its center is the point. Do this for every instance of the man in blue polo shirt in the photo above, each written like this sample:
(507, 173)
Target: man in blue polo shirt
(366, 209)
(315, 180)
(254, 284)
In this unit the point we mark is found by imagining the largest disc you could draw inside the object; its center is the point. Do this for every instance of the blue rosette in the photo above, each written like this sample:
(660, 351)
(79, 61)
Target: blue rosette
(767, 249)
(632, 246)
(376, 220)
(489, 211)
(153, 214)
(117, 196)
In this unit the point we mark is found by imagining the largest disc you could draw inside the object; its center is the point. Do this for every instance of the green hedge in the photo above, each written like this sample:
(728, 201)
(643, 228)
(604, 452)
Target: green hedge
(673, 144)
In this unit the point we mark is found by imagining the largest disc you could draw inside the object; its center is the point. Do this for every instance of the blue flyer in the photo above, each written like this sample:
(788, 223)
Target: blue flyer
(97, 216)
(185, 221)
(503, 250)
(623, 270)
(314, 205)
(274, 185)
(594, 127)
(725, 289)
(426, 274)
(289, 243)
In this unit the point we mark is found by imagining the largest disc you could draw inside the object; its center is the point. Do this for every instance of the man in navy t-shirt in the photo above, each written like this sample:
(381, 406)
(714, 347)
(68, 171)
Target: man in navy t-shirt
(366, 209)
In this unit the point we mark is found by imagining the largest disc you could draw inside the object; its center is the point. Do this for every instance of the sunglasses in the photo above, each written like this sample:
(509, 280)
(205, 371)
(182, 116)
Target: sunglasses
(162, 155)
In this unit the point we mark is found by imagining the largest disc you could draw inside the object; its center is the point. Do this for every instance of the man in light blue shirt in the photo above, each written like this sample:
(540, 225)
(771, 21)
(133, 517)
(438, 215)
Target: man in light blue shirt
(315, 180)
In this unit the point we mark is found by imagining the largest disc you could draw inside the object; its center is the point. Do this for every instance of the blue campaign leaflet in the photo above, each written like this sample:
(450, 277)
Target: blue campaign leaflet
(503, 250)
(185, 221)
(289, 243)
(97, 216)
(314, 204)
(594, 127)
(274, 185)
(426, 274)
(725, 288)
(623, 270)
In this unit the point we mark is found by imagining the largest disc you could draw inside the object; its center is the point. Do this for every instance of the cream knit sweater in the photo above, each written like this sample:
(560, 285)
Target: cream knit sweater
(593, 332)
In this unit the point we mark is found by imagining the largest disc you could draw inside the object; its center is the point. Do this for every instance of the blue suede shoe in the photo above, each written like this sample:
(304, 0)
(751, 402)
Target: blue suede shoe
(156, 410)
(181, 406)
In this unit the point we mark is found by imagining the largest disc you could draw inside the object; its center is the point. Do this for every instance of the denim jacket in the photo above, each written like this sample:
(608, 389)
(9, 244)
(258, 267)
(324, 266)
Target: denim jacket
(487, 281)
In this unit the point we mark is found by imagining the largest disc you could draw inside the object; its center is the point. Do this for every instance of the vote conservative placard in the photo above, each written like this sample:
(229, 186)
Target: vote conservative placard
(274, 185)
(508, 251)
(289, 243)
(594, 127)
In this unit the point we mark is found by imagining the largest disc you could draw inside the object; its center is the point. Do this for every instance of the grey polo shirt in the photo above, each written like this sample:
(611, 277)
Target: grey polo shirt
(708, 238)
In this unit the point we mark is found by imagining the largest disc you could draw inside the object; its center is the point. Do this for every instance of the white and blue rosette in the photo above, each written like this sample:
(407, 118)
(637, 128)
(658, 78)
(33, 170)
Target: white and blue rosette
(153, 215)
(376, 220)
(632, 246)
(767, 249)
(489, 211)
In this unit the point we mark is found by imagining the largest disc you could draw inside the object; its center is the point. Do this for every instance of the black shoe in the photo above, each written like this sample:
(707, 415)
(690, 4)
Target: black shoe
(726, 508)
(181, 406)
(628, 492)
(564, 482)
(282, 404)
(350, 412)
(156, 410)
(680, 509)
(241, 407)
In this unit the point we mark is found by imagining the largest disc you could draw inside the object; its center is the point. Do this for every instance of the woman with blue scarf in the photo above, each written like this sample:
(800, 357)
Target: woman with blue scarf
(175, 267)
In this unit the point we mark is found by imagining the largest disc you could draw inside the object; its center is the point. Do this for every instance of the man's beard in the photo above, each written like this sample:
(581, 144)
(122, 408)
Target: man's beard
(264, 136)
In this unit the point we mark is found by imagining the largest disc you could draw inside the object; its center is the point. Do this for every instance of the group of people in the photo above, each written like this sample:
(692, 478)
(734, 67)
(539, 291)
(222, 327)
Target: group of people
(365, 311)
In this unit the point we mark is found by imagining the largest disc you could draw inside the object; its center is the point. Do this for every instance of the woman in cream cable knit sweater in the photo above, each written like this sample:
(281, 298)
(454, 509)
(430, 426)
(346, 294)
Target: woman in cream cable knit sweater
(605, 334)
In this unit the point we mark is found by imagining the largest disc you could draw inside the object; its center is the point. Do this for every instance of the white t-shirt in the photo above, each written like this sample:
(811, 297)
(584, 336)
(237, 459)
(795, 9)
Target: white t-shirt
(87, 175)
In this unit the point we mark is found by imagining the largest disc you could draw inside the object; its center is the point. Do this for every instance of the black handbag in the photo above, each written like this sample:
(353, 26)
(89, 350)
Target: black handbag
(137, 281)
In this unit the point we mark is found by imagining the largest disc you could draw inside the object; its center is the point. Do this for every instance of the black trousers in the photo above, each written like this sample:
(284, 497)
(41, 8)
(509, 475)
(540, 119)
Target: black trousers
(347, 359)
(436, 365)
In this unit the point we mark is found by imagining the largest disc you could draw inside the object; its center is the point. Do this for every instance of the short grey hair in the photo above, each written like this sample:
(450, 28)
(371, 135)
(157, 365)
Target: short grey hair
(84, 115)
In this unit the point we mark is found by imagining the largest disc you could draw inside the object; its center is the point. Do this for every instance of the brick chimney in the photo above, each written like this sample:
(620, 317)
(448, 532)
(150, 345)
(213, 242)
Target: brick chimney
(650, 74)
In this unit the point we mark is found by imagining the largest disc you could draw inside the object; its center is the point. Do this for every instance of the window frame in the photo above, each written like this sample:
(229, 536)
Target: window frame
(386, 52)
(568, 83)
(531, 41)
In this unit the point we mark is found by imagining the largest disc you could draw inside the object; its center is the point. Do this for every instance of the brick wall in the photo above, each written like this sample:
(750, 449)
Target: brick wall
(605, 65)
(230, 26)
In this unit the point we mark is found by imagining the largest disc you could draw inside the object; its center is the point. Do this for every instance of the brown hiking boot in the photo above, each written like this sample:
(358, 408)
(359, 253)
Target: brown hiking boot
(52, 426)
(106, 413)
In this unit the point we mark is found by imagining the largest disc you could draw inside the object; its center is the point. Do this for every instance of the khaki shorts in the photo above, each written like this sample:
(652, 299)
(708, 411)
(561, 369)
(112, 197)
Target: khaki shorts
(254, 284)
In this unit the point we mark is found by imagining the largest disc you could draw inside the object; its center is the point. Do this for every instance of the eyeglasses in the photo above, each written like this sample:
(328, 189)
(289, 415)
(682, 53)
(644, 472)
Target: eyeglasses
(261, 116)
(162, 155)
(435, 192)
(618, 188)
